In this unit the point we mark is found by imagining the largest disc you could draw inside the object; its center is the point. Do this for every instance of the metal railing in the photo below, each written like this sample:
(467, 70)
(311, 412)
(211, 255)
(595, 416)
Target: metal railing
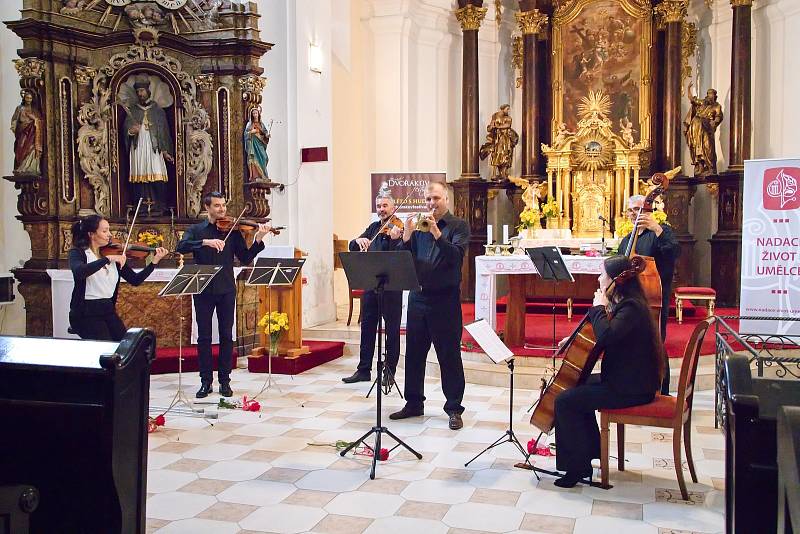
(761, 349)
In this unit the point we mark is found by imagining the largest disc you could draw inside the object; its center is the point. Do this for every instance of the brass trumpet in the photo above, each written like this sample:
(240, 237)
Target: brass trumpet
(423, 224)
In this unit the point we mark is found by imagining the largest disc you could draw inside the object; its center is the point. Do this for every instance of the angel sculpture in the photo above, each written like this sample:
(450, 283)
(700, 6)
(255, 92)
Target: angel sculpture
(147, 136)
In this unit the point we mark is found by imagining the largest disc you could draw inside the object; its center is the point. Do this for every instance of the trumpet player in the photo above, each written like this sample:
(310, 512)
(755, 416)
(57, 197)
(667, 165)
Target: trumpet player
(438, 241)
(381, 235)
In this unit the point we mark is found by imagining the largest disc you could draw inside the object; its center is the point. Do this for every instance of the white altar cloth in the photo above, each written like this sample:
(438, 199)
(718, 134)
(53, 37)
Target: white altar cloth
(61, 284)
(488, 267)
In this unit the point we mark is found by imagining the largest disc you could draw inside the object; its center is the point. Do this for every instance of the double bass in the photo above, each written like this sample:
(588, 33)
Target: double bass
(580, 352)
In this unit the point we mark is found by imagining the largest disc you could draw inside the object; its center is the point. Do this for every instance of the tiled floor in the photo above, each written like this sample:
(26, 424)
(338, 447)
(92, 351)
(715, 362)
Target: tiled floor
(274, 471)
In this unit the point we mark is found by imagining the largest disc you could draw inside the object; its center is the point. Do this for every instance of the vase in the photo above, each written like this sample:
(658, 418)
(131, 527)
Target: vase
(552, 223)
(273, 345)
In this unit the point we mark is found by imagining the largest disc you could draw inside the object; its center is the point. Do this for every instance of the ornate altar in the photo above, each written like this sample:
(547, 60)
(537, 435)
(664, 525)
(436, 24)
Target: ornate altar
(134, 100)
(593, 171)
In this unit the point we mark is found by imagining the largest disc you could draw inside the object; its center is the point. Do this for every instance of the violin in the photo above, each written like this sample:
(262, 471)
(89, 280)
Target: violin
(134, 250)
(394, 222)
(225, 224)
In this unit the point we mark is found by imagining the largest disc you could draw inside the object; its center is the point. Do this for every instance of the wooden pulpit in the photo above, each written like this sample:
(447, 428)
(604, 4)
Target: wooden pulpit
(288, 299)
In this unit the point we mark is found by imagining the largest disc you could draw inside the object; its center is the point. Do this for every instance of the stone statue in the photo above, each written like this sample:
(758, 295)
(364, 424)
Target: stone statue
(26, 125)
(561, 135)
(256, 138)
(626, 130)
(144, 14)
(699, 126)
(500, 142)
(147, 137)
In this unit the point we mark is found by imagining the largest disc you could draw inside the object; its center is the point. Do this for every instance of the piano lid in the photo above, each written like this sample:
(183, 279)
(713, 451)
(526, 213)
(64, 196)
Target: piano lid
(43, 351)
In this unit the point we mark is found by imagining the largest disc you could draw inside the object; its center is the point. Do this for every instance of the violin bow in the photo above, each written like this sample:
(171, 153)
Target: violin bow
(235, 222)
(389, 218)
(130, 229)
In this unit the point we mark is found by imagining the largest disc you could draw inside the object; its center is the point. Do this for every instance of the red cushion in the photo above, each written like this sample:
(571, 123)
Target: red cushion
(695, 291)
(357, 292)
(662, 407)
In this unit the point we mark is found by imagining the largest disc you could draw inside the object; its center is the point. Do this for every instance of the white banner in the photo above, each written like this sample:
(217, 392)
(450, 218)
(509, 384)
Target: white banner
(771, 246)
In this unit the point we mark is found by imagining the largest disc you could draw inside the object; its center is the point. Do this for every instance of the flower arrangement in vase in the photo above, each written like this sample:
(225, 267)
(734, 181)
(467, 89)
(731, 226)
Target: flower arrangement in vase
(529, 221)
(625, 226)
(274, 324)
(150, 239)
(552, 213)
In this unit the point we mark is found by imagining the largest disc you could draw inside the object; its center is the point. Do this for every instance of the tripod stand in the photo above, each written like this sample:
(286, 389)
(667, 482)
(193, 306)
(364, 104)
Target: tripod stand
(508, 436)
(376, 271)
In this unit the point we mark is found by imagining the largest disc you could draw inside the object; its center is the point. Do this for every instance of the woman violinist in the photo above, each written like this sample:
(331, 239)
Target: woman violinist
(630, 373)
(92, 309)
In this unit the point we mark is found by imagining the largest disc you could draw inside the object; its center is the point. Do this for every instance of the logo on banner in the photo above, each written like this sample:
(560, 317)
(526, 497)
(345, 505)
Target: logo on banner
(780, 188)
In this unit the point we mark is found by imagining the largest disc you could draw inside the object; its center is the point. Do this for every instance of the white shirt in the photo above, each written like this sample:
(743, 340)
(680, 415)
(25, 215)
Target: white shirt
(101, 285)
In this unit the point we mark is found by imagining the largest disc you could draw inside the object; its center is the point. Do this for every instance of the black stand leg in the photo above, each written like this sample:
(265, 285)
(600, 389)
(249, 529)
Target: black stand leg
(508, 436)
(379, 429)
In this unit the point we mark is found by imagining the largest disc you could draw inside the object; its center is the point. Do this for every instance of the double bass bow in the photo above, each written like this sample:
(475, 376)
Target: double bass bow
(580, 352)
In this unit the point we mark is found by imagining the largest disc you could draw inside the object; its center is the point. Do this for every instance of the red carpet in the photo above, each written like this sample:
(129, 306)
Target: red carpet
(321, 352)
(539, 331)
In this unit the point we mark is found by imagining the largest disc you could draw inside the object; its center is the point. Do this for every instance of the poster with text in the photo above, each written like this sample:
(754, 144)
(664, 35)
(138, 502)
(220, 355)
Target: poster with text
(771, 246)
(408, 186)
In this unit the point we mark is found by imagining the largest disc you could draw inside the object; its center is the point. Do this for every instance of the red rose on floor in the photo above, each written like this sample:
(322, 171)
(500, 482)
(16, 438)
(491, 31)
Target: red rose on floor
(532, 446)
(384, 455)
(160, 420)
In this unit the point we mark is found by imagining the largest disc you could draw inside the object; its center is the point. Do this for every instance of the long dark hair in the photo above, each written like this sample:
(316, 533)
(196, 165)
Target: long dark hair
(81, 229)
(631, 290)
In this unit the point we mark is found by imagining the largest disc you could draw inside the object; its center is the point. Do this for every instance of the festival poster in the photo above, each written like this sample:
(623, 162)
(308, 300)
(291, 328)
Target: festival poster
(770, 246)
(408, 186)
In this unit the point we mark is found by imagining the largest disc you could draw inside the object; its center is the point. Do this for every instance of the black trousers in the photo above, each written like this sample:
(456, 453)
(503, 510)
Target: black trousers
(97, 319)
(666, 293)
(204, 306)
(577, 433)
(392, 310)
(434, 317)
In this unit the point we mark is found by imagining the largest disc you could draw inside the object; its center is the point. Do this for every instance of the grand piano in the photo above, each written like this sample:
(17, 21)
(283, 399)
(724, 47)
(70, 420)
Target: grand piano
(74, 416)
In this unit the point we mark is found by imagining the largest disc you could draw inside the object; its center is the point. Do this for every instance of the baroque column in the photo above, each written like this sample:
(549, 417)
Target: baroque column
(470, 192)
(681, 189)
(726, 244)
(531, 22)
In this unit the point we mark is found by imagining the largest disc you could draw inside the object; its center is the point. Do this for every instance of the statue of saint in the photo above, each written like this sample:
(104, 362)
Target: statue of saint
(256, 138)
(704, 116)
(26, 125)
(147, 137)
(500, 142)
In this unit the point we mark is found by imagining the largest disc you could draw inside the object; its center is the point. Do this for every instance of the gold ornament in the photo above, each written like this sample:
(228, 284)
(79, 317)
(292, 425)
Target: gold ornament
(29, 67)
(741, 3)
(470, 17)
(671, 11)
(688, 47)
(531, 22)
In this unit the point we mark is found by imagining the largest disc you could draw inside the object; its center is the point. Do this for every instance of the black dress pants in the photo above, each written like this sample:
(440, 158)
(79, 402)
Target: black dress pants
(97, 319)
(434, 317)
(577, 433)
(204, 306)
(392, 309)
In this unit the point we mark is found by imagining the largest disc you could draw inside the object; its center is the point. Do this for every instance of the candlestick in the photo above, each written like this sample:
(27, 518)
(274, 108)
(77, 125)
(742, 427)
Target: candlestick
(489, 234)
(505, 234)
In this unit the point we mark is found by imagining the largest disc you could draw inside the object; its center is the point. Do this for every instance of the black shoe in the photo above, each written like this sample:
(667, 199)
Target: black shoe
(406, 412)
(456, 423)
(205, 389)
(571, 478)
(357, 377)
(225, 389)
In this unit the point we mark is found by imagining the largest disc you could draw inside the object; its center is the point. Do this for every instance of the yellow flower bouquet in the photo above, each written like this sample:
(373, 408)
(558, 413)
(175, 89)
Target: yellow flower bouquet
(550, 209)
(274, 323)
(529, 218)
(150, 239)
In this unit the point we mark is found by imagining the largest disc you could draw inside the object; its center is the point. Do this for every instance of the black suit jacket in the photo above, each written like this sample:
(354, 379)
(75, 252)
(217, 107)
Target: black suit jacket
(626, 337)
(438, 262)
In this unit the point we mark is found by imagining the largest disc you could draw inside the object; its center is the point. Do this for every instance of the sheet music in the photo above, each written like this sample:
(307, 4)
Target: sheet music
(486, 337)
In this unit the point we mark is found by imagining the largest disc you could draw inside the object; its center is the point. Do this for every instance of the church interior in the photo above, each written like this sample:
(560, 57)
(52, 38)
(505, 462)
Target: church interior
(427, 192)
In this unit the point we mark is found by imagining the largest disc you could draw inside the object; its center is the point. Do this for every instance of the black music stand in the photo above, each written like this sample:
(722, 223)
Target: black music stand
(379, 272)
(189, 280)
(273, 272)
(550, 265)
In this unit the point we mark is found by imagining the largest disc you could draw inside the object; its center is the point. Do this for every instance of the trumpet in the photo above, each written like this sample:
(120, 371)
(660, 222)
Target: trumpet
(423, 224)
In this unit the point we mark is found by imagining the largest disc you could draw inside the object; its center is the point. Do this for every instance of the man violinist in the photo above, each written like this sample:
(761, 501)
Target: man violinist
(371, 240)
(658, 241)
(208, 245)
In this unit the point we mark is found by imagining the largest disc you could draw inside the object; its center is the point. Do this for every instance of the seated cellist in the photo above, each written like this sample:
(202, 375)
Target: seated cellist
(630, 370)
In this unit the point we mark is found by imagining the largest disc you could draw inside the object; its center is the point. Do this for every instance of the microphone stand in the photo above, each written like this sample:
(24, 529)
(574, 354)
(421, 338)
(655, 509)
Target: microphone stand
(602, 236)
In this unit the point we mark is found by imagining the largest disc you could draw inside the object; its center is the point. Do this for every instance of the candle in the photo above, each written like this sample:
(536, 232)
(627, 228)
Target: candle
(505, 234)
(489, 234)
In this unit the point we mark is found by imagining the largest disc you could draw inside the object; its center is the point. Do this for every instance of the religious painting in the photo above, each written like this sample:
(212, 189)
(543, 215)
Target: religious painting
(603, 45)
(147, 141)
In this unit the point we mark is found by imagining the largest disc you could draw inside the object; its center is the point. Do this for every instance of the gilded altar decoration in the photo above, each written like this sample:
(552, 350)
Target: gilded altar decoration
(500, 142)
(531, 22)
(593, 171)
(516, 58)
(470, 17)
(251, 87)
(84, 74)
(603, 45)
(30, 67)
(699, 128)
(688, 48)
(671, 11)
(205, 82)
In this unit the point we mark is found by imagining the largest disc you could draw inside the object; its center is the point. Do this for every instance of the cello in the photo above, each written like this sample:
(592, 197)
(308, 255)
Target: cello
(579, 352)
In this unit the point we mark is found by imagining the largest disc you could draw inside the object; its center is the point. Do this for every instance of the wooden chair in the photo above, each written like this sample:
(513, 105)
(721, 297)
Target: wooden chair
(354, 294)
(664, 412)
(694, 293)
(341, 245)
